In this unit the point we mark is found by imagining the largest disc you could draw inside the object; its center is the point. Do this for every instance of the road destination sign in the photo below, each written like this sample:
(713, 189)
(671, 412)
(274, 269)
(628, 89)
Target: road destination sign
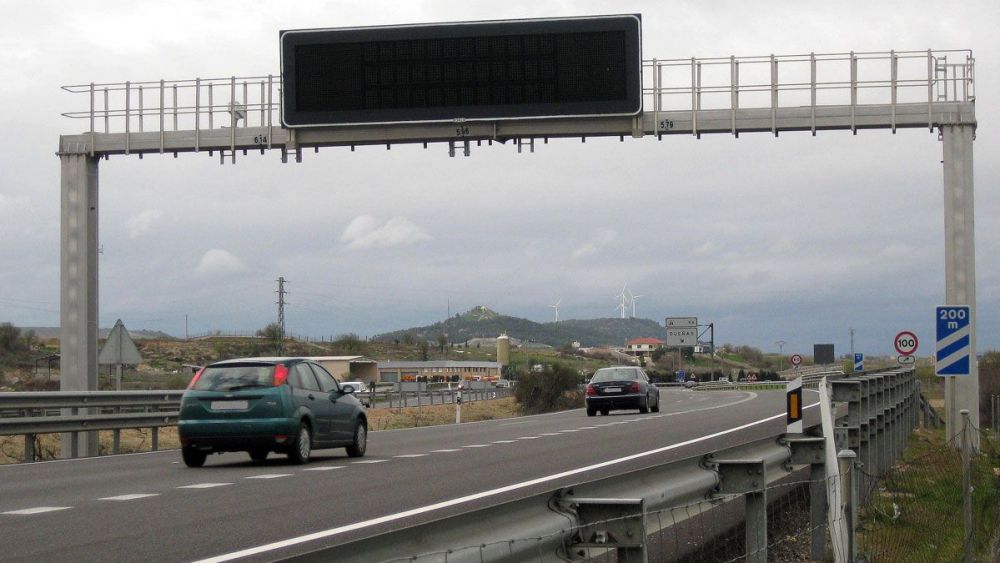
(954, 343)
(462, 71)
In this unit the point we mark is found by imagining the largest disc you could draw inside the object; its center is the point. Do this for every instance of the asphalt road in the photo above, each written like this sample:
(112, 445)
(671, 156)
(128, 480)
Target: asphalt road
(150, 507)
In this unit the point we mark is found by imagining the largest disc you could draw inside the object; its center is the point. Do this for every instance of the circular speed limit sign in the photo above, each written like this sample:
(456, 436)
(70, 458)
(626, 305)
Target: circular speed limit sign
(796, 359)
(906, 343)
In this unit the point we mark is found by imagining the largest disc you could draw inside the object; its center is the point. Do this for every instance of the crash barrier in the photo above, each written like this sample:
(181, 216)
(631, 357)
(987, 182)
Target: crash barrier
(29, 414)
(45, 412)
(729, 505)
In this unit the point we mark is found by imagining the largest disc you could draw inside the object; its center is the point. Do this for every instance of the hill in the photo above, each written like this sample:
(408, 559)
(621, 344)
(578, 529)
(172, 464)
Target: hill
(482, 322)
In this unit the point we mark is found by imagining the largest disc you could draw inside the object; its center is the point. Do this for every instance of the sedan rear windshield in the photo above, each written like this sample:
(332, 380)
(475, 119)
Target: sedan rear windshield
(236, 377)
(612, 374)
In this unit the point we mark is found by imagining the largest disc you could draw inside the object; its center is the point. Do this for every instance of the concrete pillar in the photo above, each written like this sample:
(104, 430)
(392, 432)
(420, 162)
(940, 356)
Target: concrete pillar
(78, 287)
(960, 265)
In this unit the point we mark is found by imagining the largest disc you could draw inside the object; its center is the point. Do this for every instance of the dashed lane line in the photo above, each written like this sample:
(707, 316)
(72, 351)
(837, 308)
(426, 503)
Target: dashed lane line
(369, 461)
(131, 497)
(504, 441)
(444, 451)
(410, 455)
(477, 446)
(269, 476)
(204, 486)
(324, 468)
(36, 510)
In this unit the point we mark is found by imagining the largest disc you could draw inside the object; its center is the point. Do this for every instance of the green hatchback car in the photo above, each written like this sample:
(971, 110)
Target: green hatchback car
(264, 405)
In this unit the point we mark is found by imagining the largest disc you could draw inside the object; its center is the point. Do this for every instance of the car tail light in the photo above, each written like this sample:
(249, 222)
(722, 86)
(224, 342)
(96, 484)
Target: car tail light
(590, 390)
(280, 438)
(634, 388)
(280, 374)
(195, 379)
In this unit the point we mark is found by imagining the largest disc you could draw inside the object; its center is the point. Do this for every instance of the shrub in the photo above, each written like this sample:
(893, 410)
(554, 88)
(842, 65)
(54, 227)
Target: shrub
(553, 388)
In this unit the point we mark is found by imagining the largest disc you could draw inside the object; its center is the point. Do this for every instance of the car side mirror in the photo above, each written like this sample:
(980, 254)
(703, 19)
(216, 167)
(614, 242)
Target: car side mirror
(336, 394)
(347, 389)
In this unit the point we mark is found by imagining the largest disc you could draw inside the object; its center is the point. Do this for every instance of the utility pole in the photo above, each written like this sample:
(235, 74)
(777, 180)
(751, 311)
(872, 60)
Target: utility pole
(186, 335)
(281, 314)
(852, 344)
(781, 354)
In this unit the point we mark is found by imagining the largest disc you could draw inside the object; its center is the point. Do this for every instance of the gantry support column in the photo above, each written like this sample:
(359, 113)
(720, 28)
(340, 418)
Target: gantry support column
(960, 265)
(78, 288)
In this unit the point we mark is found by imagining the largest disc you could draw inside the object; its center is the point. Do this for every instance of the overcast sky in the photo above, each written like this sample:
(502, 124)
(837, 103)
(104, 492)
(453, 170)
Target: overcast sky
(796, 238)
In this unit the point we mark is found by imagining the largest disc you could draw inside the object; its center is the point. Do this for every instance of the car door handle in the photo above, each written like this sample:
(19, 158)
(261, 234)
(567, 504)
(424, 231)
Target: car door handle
(311, 397)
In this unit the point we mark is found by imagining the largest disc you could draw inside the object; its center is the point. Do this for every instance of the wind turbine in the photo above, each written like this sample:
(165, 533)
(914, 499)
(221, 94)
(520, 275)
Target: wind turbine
(623, 301)
(633, 298)
(556, 307)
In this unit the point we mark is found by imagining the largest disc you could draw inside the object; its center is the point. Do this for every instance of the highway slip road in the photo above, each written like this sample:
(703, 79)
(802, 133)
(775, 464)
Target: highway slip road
(150, 507)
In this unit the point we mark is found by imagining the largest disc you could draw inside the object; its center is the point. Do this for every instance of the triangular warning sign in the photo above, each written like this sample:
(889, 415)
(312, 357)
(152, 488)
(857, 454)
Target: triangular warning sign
(119, 349)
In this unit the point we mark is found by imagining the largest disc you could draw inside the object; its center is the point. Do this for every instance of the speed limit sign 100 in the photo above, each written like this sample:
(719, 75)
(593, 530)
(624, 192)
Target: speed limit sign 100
(906, 343)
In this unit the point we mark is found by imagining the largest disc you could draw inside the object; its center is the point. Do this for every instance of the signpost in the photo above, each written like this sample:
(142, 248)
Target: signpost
(859, 362)
(796, 360)
(682, 332)
(906, 360)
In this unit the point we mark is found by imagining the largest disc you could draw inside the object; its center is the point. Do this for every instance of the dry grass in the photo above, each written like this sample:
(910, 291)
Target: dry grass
(47, 446)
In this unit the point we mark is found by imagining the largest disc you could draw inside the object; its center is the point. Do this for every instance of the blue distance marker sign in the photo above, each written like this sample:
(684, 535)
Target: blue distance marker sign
(954, 341)
(859, 362)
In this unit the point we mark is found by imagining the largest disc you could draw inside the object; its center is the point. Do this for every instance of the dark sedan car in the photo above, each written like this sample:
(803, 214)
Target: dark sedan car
(621, 388)
(263, 405)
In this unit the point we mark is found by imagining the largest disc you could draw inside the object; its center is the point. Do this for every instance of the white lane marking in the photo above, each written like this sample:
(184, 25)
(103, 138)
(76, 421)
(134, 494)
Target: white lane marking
(369, 461)
(529, 437)
(504, 441)
(476, 496)
(549, 434)
(444, 451)
(324, 468)
(37, 510)
(204, 485)
(174, 462)
(587, 428)
(477, 446)
(269, 476)
(411, 455)
(131, 497)
(570, 430)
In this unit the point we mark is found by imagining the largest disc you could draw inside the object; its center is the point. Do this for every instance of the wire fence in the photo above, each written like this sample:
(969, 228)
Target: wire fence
(917, 512)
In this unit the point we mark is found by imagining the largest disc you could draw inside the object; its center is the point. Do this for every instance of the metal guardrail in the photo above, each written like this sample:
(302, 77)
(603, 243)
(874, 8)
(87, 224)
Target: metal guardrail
(621, 513)
(46, 412)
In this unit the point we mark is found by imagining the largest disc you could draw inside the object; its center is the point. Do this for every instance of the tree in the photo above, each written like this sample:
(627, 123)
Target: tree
(10, 337)
(273, 333)
(424, 350)
(553, 388)
(442, 341)
(350, 343)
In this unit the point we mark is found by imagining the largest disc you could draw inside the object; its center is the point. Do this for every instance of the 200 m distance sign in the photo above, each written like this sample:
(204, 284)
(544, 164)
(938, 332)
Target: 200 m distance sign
(906, 343)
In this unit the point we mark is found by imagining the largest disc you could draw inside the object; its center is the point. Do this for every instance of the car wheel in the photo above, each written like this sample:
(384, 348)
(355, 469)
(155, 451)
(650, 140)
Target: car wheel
(656, 407)
(193, 457)
(645, 405)
(301, 447)
(258, 455)
(357, 449)
(604, 412)
(591, 411)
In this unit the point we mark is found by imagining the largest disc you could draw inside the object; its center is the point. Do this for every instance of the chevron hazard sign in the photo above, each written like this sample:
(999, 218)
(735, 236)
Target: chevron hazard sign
(954, 344)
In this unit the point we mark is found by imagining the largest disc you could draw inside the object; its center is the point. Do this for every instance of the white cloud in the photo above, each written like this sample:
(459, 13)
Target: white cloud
(365, 231)
(140, 224)
(218, 262)
(604, 238)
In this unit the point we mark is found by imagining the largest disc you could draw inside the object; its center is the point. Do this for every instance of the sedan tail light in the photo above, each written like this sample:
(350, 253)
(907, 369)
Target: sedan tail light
(280, 374)
(634, 388)
(195, 379)
(590, 390)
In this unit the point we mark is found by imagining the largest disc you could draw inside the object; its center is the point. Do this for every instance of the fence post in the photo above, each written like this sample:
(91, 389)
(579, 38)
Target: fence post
(967, 483)
(848, 475)
(156, 438)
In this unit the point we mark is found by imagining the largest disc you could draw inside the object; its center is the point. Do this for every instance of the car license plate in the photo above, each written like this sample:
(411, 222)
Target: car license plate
(228, 405)
(612, 389)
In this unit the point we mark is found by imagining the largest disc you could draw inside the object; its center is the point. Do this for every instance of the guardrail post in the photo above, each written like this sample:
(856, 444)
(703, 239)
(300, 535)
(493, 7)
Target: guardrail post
(156, 438)
(808, 450)
(748, 478)
(29, 448)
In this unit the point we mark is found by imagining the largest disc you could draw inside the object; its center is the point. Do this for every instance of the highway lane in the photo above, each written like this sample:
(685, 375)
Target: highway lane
(233, 504)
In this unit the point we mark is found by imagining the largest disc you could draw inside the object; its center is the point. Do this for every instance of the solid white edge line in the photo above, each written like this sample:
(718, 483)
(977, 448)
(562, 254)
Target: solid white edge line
(476, 496)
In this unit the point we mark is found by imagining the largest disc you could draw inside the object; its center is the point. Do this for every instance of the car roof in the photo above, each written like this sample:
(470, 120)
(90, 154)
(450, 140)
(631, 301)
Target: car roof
(260, 360)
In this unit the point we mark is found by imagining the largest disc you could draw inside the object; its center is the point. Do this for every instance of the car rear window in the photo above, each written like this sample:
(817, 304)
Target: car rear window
(236, 377)
(614, 374)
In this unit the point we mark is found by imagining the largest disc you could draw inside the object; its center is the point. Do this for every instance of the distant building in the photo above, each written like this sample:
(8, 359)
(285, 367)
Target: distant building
(441, 370)
(643, 346)
(349, 368)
